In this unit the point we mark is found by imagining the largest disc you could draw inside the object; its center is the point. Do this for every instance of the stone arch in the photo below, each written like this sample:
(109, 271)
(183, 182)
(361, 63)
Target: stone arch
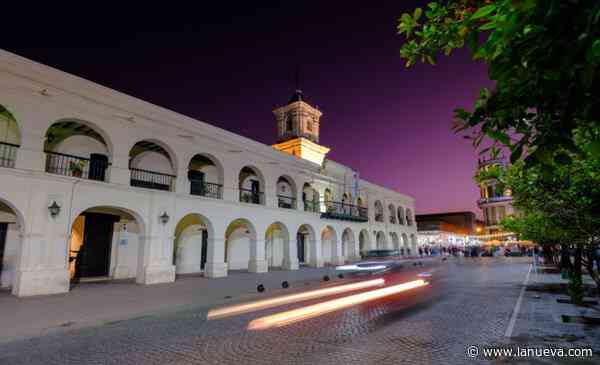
(240, 240)
(106, 241)
(153, 165)
(10, 137)
(277, 246)
(286, 192)
(251, 184)
(310, 198)
(378, 211)
(392, 213)
(329, 245)
(306, 244)
(77, 148)
(401, 216)
(348, 244)
(194, 233)
(12, 228)
(406, 244)
(206, 175)
(413, 243)
(395, 241)
(381, 240)
(409, 217)
(364, 241)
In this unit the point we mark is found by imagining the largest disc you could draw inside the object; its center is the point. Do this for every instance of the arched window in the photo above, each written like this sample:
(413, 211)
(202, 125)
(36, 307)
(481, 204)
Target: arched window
(152, 166)
(378, 211)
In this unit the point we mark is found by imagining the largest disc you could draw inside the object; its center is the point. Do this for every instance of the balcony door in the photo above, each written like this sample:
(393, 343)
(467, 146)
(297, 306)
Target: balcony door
(98, 166)
(3, 230)
(197, 179)
(255, 187)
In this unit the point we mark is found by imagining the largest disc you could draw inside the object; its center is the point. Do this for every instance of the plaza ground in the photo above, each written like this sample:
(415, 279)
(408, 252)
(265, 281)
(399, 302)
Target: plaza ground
(472, 304)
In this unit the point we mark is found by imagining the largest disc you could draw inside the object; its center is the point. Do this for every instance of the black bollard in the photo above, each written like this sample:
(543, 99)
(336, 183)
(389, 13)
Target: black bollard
(260, 288)
(326, 278)
(341, 276)
(285, 285)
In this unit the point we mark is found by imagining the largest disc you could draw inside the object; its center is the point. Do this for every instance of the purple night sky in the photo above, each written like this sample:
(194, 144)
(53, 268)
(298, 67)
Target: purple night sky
(230, 67)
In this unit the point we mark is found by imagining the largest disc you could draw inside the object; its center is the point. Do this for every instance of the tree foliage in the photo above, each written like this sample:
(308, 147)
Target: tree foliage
(544, 56)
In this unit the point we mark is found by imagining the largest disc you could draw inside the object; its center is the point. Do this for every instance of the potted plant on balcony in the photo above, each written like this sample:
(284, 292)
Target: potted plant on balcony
(76, 167)
(246, 198)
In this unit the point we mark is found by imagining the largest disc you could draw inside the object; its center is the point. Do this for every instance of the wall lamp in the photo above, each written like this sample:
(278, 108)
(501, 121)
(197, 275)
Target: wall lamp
(54, 209)
(164, 218)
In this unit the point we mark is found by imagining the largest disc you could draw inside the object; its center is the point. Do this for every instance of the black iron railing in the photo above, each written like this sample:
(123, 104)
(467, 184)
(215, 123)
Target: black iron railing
(378, 217)
(250, 196)
(209, 190)
(286, 202)
(8, 154)
(75, 166)
(151, 179)
(393, 219)
(494, 199)
(343, 211)
(312, 206)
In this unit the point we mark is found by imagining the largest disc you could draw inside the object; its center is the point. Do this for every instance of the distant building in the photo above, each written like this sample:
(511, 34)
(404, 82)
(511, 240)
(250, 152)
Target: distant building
(445, 229)
(495, 202)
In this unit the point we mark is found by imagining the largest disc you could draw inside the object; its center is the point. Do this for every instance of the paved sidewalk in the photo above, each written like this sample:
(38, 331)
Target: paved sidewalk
(97, 303)
(540, 323)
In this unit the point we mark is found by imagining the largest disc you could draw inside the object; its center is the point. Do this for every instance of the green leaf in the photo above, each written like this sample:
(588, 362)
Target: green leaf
(488, 26)
(417, 14)
(484, 11)
(595, 51)
(595, 148)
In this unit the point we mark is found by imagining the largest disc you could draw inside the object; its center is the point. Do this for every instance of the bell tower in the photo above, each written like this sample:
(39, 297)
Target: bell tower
(298, 126)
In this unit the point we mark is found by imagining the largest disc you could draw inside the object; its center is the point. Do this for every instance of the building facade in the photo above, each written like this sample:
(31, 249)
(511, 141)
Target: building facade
(495, 202)
(99, 184)
(448, 229)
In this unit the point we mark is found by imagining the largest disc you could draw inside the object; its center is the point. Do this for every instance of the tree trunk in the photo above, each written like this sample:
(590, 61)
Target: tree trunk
(565, 259)
(594, 274)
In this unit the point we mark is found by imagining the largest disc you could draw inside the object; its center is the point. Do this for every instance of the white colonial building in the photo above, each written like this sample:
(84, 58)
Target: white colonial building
(98, 184)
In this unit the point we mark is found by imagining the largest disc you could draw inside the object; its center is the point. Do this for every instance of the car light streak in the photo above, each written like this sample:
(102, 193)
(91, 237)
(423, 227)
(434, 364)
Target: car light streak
(300, 314)
(292, 298)
(360, 268)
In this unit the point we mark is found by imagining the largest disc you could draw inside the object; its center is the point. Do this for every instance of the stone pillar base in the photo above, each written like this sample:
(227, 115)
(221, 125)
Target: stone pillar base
(215, 270)
(258, 266)
(155, 274)
(316, 263)
(291, 264)
(338, 260)
(41, 282)
(122, 272)
(188, 269)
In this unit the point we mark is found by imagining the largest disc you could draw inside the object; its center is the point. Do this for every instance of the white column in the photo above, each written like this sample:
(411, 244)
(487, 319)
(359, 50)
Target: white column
(257, 261)
(215, 260)
(182, 183)
(156, 252)
(31, 156)
(316, 253)
(290, 259)
(119, 169)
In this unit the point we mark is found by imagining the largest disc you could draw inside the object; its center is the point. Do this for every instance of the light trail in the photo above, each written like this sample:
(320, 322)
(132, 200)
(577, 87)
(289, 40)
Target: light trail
(300, 314)
(292, 298)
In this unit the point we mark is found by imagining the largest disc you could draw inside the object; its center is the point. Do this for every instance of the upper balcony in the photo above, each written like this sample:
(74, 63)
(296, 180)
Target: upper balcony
(76, 149)
(151, 166)
(343, 211)
(494, 199)
(8, 154)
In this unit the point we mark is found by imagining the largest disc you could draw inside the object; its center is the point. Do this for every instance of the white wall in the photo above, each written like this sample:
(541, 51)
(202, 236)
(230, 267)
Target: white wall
(125, 250)
(238, 249)
(188, 252)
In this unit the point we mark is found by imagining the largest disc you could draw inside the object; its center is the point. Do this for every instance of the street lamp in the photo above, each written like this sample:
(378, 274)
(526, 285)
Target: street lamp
(164, 218)
(54, 209)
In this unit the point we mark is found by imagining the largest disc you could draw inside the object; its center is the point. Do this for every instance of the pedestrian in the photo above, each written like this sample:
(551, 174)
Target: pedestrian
(420, 252)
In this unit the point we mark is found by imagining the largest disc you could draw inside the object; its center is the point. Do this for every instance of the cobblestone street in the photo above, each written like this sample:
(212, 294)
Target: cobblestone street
(471, 305)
